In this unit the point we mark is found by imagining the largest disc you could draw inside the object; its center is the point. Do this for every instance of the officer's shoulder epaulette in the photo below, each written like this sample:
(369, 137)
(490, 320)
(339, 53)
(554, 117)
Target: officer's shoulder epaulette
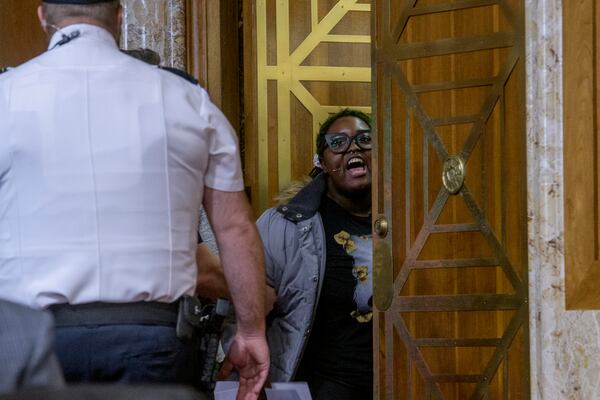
(180, 73)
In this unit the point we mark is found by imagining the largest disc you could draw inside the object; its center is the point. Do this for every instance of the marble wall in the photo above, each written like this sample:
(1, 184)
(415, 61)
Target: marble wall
(158, 25)
(565, 345)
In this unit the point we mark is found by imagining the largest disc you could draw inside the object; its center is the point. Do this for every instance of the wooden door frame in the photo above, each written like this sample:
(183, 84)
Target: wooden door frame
(212, 55)
(20, 27)
(581, 155)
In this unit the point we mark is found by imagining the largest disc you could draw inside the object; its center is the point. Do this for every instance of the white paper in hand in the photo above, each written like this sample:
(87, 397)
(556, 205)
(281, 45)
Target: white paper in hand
(299, 387)
(227, 390)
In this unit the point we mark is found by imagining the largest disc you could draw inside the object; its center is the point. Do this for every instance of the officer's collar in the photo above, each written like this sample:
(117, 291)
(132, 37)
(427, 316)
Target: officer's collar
(85, 30)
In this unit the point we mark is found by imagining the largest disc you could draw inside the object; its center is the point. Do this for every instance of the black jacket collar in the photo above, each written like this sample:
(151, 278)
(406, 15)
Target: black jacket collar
(306, 203)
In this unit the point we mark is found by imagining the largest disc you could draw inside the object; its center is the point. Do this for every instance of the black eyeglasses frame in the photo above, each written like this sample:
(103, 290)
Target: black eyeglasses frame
(329, 136)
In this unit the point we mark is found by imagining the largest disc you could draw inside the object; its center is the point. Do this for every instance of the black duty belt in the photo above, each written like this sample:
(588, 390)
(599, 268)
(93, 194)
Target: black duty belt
(143, 312)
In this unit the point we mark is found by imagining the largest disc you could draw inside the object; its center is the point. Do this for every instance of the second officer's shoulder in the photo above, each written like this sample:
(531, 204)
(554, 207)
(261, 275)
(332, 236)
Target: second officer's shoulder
(181, 91)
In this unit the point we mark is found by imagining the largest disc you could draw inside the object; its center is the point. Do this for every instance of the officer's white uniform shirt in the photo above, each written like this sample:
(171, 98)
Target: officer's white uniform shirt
(103, 160)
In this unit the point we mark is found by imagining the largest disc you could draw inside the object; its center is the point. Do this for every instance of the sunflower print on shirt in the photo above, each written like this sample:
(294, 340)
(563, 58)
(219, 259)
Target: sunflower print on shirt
(359, 247)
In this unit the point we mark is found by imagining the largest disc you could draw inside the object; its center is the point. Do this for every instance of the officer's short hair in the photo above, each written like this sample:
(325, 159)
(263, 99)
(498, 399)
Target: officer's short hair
(104, 12)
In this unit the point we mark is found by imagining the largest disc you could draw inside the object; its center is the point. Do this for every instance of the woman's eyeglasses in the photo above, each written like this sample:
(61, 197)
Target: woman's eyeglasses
(340, 142)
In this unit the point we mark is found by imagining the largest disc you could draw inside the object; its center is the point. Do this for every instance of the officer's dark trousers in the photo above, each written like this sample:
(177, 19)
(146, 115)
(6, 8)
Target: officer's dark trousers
(126, 354)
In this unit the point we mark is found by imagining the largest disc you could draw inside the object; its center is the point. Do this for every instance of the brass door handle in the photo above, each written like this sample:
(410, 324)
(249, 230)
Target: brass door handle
(381, 227)
(383, 281)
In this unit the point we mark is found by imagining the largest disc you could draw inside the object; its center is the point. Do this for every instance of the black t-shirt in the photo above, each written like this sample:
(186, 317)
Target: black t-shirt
(340, 346)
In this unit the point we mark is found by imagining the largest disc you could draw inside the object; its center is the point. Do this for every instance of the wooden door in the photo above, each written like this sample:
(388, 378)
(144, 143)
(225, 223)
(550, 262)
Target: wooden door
(450, 251)
(21, 36)
(581, 161)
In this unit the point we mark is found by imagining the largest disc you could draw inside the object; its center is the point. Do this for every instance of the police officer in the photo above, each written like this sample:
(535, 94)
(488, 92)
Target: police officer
(104, 163)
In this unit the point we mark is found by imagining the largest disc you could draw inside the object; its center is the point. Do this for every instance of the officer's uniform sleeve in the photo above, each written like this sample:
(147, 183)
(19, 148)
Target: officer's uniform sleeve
(224, 167)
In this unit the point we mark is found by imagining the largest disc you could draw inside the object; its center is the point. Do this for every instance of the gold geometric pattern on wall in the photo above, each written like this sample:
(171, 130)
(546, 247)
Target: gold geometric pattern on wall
(313, 58)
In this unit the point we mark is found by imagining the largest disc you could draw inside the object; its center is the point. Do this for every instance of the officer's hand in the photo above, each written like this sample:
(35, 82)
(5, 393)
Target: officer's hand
(250, 356)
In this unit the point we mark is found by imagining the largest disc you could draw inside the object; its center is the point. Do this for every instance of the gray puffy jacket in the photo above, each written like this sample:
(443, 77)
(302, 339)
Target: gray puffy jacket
(293, 237)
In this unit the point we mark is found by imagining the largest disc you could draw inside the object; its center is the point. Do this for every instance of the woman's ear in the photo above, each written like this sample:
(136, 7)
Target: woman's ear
(317, 160)
(323, 165)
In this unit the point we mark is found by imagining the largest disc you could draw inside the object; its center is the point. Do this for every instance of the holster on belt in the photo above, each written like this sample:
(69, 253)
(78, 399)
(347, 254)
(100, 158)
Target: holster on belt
(190, 318)
(204, 319)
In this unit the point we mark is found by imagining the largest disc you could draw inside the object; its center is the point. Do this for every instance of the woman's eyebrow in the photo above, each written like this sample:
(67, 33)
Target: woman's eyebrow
(346, 133)
(337, 133)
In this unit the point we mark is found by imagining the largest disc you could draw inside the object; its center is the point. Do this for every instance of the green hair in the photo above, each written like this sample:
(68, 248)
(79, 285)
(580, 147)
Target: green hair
(346, 112)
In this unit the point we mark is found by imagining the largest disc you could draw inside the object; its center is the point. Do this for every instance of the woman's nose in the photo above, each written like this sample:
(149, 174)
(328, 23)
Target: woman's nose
(353, 146)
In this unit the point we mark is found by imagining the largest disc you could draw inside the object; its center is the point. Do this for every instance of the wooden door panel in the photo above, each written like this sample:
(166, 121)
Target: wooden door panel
(21, 36)
(581, 22)
(450, 180)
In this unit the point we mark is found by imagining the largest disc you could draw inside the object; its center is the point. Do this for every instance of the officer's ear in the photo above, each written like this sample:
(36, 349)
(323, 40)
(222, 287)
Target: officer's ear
(42, 18)
(119, 21)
